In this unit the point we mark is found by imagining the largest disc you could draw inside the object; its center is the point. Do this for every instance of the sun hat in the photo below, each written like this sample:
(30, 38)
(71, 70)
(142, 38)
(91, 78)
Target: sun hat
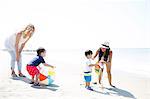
(105, 45)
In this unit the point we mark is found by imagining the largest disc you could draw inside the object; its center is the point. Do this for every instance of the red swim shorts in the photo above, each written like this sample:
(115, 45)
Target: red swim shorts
(32, 70)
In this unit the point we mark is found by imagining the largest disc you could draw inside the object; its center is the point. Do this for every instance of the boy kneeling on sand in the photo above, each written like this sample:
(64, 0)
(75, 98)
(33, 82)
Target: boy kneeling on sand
(32, 66)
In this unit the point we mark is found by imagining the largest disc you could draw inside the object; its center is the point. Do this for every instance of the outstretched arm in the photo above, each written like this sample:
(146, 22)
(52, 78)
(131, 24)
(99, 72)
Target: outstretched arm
(22, 46)
(45, 64)
(93, 65)
(17, 45)
(96, 54)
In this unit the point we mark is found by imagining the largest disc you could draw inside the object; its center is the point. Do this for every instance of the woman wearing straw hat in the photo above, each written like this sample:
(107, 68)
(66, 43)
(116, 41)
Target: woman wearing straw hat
(104, 57)
(15, 44)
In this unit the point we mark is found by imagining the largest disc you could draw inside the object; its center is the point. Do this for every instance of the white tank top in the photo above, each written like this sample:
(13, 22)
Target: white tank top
(22, 40)
(10, 42)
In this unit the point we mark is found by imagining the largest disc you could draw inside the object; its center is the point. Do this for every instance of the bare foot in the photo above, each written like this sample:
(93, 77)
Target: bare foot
(112, 86)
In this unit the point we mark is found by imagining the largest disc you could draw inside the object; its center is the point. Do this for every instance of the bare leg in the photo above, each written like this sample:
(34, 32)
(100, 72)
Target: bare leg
(87, 84)
(37, 78)
(108, 67)
(32, 78)
(36, 83)
(100, 75)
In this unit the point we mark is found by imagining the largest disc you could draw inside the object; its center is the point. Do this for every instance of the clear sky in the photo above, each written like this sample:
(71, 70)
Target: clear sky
(73, 24)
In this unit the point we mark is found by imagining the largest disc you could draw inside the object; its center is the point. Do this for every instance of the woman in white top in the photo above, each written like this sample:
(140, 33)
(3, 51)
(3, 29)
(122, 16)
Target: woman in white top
(15, 44)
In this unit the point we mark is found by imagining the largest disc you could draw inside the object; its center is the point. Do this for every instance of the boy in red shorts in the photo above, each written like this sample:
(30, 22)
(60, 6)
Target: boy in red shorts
(32, 66)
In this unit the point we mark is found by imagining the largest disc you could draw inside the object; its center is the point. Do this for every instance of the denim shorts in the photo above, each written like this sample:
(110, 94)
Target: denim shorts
(87, 76)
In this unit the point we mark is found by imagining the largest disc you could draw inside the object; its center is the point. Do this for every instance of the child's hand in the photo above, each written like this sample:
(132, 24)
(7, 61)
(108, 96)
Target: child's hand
(97, 66)
(53, 67)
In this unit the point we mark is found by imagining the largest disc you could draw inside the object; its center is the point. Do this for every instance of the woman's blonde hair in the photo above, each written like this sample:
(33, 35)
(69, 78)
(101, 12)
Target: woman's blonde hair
(31, 26)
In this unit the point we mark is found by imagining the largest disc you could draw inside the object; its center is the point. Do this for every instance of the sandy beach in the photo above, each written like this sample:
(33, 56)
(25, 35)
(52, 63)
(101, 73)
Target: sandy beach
(68, 84)
(68, 28)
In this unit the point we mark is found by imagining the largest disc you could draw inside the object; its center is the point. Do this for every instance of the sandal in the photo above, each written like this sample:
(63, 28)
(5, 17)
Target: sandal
(21, 75)
(13, 74)
(36, 84)
(31, 82)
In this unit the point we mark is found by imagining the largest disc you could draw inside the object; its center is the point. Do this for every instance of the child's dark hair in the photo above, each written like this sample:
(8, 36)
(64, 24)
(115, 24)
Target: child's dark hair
(88, 52)
(40, 50)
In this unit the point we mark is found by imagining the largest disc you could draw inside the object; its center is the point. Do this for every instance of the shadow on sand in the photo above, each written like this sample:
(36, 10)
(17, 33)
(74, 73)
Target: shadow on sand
(120, 92)
(116, 91)
(24, 79)
(51, 87)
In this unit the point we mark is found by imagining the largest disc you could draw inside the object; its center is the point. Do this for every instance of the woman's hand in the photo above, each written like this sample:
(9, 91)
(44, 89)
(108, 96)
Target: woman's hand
(109, 62)
(53, 67)
(22, 46)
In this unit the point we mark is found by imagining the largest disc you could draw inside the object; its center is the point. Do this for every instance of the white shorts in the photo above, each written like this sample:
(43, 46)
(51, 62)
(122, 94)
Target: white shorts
(101, 65)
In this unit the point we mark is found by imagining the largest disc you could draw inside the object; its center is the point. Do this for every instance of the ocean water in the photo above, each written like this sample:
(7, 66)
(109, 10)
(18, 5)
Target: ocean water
(133, 60)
